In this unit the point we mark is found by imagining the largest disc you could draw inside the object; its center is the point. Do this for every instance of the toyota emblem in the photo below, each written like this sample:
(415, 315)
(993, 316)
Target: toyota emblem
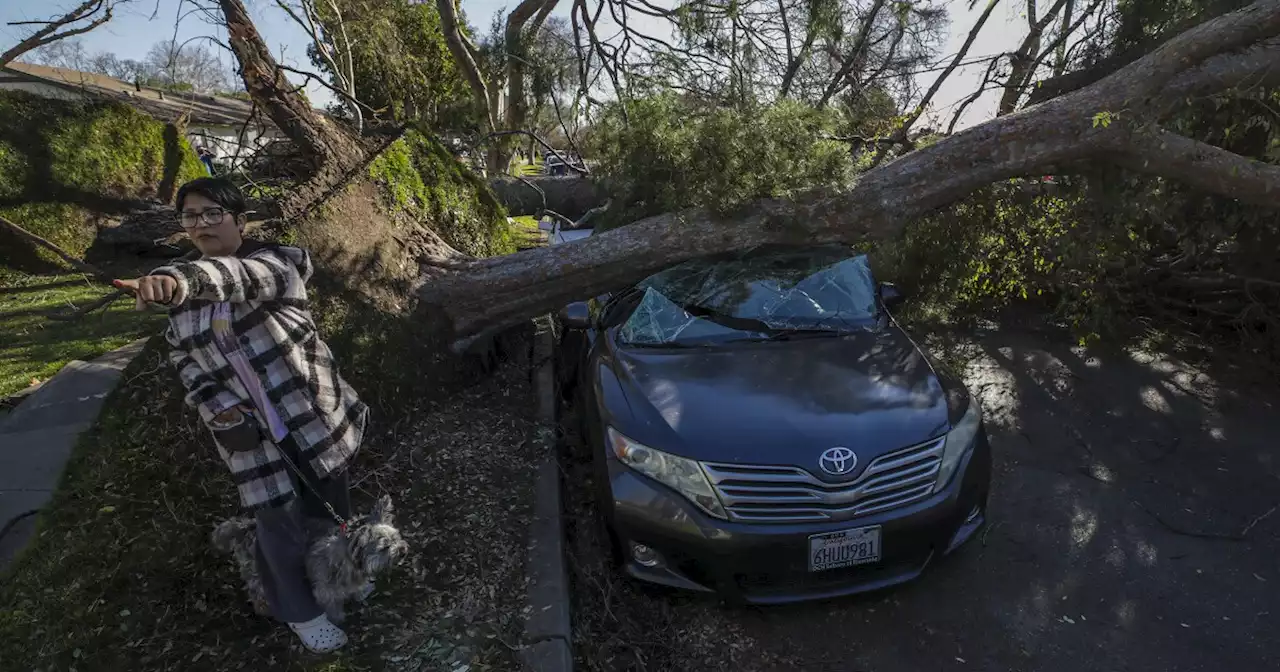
(838, 461)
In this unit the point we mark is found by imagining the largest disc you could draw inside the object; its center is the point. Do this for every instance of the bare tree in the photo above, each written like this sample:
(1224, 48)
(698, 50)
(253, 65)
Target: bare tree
(84, 18)
(69, 53)
(173, 64)
(125, 69)
(332, 46)
(736, 51)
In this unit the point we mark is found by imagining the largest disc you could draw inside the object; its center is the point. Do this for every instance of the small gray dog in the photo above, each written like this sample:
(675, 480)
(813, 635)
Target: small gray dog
(339, 565)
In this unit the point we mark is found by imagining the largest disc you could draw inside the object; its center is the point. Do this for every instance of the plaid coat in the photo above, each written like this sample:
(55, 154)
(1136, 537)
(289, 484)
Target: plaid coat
(266, 287)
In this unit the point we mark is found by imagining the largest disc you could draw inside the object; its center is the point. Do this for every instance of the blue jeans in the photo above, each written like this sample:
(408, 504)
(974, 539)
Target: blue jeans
(283, 541)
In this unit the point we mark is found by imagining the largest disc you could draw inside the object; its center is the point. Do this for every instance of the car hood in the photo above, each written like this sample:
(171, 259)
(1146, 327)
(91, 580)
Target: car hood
(781, 402)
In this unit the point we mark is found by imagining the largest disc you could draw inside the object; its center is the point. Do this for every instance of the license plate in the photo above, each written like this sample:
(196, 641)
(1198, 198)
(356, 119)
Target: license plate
(846, 548)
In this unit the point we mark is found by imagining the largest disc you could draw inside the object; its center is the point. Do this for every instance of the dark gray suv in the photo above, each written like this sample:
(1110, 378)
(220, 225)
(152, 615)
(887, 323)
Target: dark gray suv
(762, 428)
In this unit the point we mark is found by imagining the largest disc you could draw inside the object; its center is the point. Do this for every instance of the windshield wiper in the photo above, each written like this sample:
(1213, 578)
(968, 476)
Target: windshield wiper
(669, 344)
(793, 335)
(751, 324)
(797, 334)
(726, 320)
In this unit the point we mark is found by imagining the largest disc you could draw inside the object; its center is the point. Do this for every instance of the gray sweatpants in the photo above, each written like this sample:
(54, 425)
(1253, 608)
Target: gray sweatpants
(282, 540)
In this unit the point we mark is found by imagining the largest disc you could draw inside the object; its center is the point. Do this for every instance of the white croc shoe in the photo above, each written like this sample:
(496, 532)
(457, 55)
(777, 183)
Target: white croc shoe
(320, 635)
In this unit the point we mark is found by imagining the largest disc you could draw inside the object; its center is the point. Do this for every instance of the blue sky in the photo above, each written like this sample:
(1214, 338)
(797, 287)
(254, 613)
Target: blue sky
(133, 30)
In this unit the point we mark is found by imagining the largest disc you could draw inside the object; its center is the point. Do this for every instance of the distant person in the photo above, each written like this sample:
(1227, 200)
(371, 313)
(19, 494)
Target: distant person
(206, 157)
(247, 352)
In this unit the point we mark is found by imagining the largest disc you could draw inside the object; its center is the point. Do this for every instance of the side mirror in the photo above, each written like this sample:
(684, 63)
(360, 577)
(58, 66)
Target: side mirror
(890, 295)
(575, 316)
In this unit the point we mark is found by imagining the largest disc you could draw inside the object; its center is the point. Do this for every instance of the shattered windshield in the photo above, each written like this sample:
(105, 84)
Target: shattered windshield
(755, 297)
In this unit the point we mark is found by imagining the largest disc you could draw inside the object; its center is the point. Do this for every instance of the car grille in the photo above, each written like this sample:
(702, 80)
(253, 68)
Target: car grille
(783, 494)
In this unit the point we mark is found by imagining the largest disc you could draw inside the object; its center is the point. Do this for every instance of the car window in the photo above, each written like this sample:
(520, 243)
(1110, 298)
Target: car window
(755, 296)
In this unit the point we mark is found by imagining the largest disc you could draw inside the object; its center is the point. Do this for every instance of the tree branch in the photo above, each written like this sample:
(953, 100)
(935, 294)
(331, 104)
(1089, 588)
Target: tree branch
(50, 33)
(519, 34)
(71, 316)
(851, 59)
(1257, 66)
(312, 77)
(1023, 59)
(1237, 30)
(75, 263)
(1155, 151)
(987, 78)
(797, 61)
(905, 127)
(1059, 42)
(465, 57)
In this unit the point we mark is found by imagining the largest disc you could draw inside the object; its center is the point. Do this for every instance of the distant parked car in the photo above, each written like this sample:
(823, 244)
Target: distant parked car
(553, 165)
(763, 428)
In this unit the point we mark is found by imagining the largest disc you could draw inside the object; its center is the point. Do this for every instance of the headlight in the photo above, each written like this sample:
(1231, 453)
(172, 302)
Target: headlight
(681, 474)
(959, 440)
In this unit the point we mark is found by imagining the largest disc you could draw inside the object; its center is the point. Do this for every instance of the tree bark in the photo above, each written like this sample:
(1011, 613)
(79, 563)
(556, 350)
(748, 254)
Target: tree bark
(482, 294)
(328, 149)
(571, 196)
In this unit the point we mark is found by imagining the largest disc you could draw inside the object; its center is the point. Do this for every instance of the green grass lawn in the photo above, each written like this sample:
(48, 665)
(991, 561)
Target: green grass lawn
(527, 169)
(35, 347)
(527, 232)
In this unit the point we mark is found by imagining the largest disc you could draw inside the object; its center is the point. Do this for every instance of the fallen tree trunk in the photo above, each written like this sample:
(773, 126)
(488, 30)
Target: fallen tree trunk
(1115, 119)
(571, 196)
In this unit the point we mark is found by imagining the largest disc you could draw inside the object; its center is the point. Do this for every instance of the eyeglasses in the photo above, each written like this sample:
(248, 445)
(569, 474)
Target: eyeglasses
(207, 217)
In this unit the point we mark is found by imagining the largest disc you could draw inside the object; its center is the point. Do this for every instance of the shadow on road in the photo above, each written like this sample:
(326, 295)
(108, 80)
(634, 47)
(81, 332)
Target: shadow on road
(1133, 526)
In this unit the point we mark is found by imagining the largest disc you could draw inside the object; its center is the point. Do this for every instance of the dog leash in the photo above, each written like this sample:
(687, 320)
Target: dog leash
(342, 522)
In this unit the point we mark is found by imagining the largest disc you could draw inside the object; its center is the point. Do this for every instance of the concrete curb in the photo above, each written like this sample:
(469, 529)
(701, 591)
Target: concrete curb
(548, 628)
(38, 437)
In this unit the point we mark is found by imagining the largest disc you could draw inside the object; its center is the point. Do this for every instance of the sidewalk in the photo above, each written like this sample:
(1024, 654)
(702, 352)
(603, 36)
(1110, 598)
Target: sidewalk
(37, 438)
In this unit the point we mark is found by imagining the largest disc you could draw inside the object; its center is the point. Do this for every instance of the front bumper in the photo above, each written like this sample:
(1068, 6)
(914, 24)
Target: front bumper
(767, 563)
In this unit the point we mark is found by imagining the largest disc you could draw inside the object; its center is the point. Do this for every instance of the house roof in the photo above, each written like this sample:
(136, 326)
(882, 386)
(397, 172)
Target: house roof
(163, 105)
